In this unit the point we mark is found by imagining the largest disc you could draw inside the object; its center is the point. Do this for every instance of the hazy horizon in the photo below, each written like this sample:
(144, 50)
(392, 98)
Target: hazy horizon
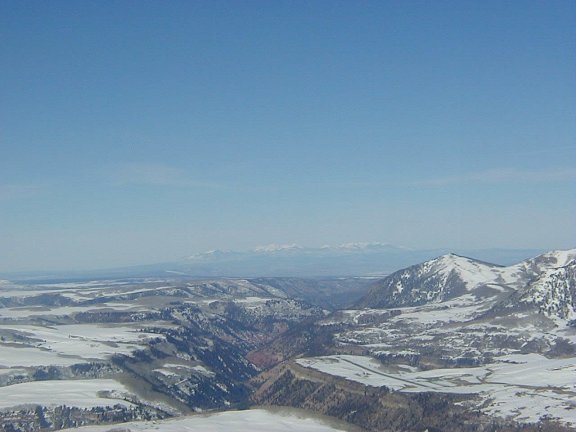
(396, 257)
(136, 133)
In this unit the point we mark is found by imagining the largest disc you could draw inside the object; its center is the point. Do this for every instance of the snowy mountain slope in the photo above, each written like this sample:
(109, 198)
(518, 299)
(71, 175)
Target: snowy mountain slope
(544, 281)
(531, 269)
(502, 339)
(554, 292)
(437, 280)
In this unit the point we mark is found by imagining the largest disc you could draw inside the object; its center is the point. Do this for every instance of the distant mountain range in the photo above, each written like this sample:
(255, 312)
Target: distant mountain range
(350, 259)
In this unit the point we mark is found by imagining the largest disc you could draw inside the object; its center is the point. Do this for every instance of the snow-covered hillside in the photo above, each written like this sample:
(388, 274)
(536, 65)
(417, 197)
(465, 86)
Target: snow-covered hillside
(500, 338)
(546, 281)
(554, 291)
(437, 280)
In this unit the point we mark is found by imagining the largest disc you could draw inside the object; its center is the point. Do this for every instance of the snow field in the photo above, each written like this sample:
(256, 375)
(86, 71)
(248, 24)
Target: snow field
(525, 387)
(29, 311)
(73, 393)
(70, 344)
(237, 421)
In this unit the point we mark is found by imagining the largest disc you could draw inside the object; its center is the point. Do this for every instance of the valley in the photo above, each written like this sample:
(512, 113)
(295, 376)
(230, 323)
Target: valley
(498, 341)
(274, 216)
(452, 344)
(146, 349)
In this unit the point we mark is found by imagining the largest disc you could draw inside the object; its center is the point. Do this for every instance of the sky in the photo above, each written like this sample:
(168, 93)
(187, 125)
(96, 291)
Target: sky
(135, 132)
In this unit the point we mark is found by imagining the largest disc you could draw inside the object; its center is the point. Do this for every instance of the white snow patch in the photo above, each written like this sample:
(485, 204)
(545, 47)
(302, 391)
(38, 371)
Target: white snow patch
(71, 344)
(237, 421)
(525, 387)
(76, 393)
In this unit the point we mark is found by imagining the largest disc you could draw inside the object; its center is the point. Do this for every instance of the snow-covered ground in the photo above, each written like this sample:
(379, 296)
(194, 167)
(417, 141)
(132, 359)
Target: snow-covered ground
(24, 356)
(77, 393)
(463, 308)
(524, 387)
(237, 421)
(69, 344)
(47, 328)
(34, 311)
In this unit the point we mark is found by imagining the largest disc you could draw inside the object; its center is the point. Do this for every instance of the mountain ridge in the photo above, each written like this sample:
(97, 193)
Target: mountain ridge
(451, 275)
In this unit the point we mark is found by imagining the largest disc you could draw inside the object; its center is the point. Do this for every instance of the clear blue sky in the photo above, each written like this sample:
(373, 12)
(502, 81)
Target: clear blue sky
(143, 131)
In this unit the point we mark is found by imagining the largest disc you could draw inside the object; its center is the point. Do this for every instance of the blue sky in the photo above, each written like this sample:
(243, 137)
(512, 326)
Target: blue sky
(143, 131)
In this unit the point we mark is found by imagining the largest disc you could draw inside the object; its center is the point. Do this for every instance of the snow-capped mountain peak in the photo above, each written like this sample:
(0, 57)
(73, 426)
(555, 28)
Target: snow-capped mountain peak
(211, 254)
(436, 280)
(365, 246)
(533, 268)
(558, 258)
(277, 247)
(546, 282)
(470, 271)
